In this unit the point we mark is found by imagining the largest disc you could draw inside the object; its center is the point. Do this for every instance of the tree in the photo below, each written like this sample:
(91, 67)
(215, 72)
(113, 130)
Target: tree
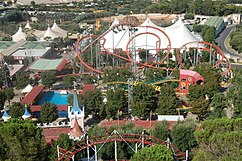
(9, 93)
(2, 99)
(48, 78)
(32, 3)
(153, 153)
(167, 101)
(161, 130)
(219, 139)
(182, 135)
(22, 79)
(21, 141)
(116, 100)
(154, 73)
(208, 34)
(93, 101)
(200, 107)
(64, 142)
(218, 105)
(68, 80)
(16, 110)
(142, 100)
(48, 112)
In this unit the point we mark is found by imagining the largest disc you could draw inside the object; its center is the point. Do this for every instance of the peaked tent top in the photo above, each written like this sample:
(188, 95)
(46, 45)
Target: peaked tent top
(56, 28)
(19, 35)
(27, 26)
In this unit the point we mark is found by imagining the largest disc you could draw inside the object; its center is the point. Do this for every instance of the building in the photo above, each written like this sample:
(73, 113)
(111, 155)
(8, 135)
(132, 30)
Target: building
(216, 22)
(188, 77)
(23, 49)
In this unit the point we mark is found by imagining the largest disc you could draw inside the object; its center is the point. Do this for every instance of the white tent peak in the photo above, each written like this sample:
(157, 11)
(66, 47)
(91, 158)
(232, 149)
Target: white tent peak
(50, 33)
(27, 89)
(148, 22)
(27, 26)
(56, 28)
(115, 22)
(19, 35)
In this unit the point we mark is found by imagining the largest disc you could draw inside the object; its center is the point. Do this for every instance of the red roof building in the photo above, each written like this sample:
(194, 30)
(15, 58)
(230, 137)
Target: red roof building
(37, 108)
(53, 133)
(142, 123)
(30, 97)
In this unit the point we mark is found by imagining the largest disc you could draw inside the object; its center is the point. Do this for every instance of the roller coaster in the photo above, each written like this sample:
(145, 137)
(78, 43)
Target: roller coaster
(140, 141)
(95, 57)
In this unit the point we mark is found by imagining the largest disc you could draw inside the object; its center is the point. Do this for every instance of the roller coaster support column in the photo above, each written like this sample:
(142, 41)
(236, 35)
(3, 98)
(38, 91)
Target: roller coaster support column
(58, 151)
(88, 154)
(136, 147)
(143, 138)
(115, 146)
(95, 148)
(130, 88)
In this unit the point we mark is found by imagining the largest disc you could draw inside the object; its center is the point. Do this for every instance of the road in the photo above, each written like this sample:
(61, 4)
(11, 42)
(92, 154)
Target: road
(223, 36)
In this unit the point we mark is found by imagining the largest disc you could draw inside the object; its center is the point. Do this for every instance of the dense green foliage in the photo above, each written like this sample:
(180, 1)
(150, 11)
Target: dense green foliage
(48, 112)
(207, 7)
(200, 95)
(153, 153)
(16, 110)
(22, 79)
(48, 78)
(64, 142)
(236, 39)
(116, 100)
(166, 101)
(161, 130)
(21, 141)
(182, 135)
(219, 139)
(142, 99)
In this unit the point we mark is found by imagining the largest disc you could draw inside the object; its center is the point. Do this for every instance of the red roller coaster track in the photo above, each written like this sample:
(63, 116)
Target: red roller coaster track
(67, 154)
(202, 46)
(129, 57)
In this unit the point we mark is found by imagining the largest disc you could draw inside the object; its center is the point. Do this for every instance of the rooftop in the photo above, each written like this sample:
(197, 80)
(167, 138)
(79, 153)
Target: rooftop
(51, 134)
(31, 52)
(214, 21)
(48, 64)
(30, 97)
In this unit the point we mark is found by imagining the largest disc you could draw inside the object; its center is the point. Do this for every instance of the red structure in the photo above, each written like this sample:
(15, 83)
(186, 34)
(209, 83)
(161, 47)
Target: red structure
(188, 77)
(30, 97)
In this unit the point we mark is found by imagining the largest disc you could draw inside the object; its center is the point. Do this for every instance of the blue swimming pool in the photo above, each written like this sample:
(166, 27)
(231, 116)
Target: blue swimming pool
(54, 97)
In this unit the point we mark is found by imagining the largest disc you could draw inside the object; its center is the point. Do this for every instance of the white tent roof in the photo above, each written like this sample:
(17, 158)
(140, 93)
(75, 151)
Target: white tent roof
(50, 33)
(61, 32)
(27, 89)
(178, 34)
(27, 26)
(115, 22)
(148, 22)
(19, 35)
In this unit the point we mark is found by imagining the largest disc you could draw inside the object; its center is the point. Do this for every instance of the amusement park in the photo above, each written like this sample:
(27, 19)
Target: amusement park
(127, 90)
(128, 57)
